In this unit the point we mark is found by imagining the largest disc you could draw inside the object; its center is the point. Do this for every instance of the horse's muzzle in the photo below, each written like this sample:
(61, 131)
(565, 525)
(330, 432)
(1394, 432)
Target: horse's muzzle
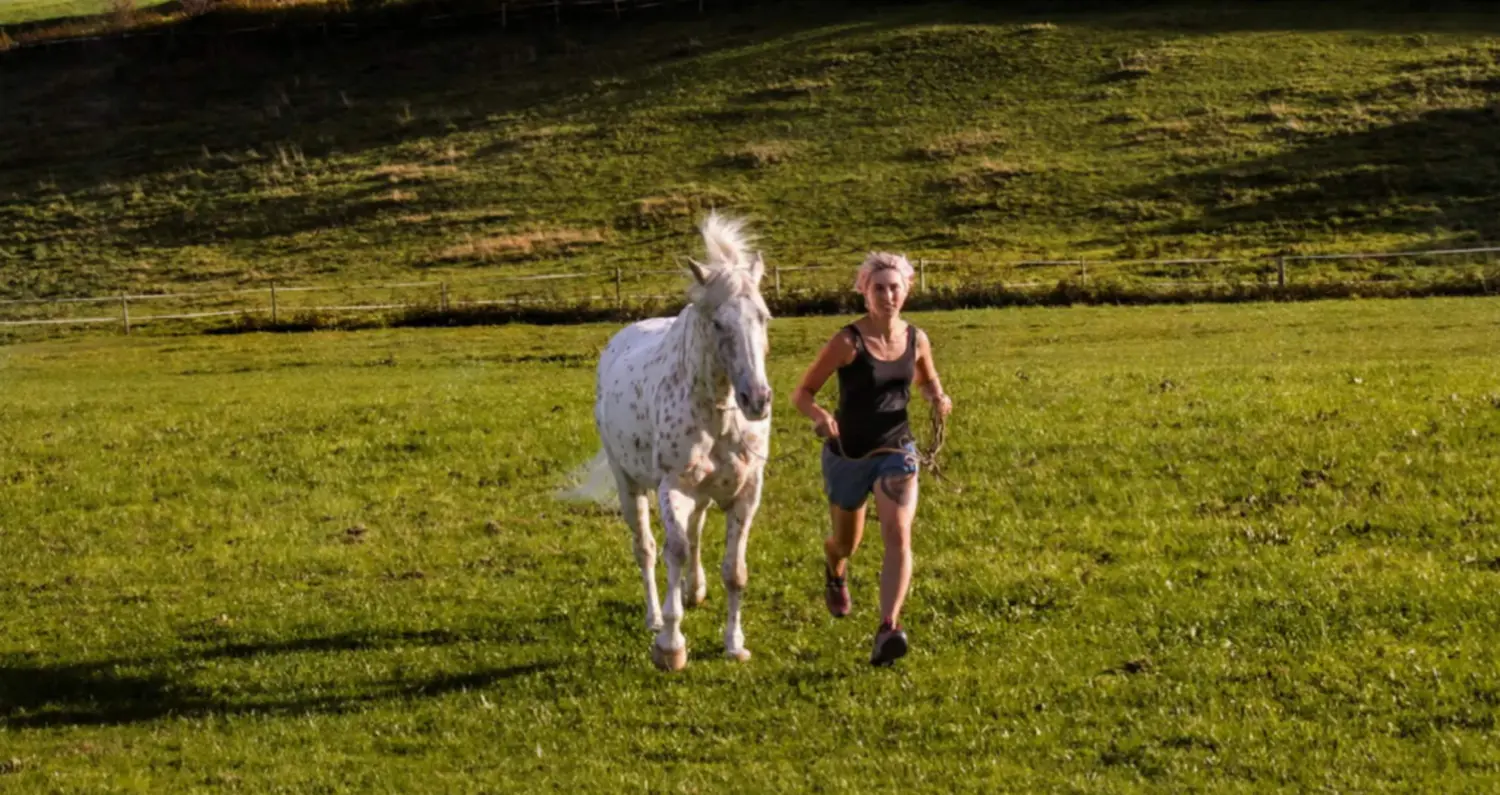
(755, 403)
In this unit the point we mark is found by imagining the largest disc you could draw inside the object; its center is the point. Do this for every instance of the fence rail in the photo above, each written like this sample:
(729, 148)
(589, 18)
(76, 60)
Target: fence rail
(1392, 254)
(271, 300)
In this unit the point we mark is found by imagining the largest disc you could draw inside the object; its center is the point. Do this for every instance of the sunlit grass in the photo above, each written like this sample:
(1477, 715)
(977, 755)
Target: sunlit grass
(1239, 547)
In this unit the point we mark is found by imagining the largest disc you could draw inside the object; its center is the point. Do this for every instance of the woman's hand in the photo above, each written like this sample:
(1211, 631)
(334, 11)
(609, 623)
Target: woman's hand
(944, 405)
(827, 428)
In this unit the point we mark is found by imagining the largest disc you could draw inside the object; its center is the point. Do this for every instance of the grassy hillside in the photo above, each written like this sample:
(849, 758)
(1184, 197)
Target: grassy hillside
(16, 12)
(944, 130)
(1238, 548)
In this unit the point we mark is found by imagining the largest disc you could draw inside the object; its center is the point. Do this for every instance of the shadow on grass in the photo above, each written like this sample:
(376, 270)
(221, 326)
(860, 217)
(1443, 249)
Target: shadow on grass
(116, 109)
(131, 690)
(97, 113)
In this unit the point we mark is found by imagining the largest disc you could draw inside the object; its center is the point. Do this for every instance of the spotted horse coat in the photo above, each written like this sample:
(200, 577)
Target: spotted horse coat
(682, 406)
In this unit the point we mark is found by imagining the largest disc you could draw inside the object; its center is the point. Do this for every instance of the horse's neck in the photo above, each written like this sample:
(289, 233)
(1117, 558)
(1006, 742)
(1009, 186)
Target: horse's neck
(709, 387)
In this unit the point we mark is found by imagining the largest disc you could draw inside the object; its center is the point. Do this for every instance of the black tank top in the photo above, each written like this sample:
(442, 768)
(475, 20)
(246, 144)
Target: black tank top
(873, 394)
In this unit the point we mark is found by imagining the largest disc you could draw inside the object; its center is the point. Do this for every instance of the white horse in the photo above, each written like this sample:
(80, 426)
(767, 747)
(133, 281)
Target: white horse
(684, 410)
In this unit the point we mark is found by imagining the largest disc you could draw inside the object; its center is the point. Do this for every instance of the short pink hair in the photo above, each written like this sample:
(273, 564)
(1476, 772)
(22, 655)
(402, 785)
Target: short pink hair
(881, 261)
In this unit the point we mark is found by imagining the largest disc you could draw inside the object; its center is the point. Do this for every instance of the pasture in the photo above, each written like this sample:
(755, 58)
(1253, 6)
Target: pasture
(961, 131)
(1238, 547)
(17, 12)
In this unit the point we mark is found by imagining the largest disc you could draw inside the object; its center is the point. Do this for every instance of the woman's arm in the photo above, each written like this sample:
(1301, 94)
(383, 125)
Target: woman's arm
(927, 377)
(836, 353)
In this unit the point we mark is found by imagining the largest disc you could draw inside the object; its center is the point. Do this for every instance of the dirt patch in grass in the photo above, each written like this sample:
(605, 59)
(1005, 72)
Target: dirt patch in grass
(522, 245)
(959, 144)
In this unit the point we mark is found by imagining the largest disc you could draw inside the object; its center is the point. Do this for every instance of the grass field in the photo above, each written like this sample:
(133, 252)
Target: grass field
(17, 12)
(1244, 548)
(953, 131)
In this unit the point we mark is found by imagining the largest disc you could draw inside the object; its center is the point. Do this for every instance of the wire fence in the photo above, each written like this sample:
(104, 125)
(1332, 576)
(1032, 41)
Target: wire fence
(621, 286)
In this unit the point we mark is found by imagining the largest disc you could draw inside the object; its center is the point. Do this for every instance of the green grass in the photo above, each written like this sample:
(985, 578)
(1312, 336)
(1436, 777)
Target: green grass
(1244, 547)
(949, 131)
(19, 12)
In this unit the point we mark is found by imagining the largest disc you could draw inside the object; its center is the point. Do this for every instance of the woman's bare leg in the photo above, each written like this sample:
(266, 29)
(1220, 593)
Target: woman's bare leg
(896, 505)
(848, 526)
(848, 529)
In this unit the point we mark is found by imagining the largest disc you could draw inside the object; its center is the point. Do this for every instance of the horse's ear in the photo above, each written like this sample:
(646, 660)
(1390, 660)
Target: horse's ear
(699, 270)
(757, 267)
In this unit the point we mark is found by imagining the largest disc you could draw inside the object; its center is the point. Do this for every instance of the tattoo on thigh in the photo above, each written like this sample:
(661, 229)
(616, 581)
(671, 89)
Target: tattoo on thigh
(900, 490)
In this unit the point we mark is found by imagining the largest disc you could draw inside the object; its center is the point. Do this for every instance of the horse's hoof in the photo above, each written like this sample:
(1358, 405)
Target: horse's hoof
(690, 601)
(668, 659)
(738, 655)
(654, 624)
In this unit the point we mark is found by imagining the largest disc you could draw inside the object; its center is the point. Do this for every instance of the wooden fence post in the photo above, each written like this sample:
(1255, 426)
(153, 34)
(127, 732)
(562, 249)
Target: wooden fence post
(1281, 272)
(1083, 271)
(274, 315)
(776, 272)
(619, 295)
(921, 275)
(125, 312)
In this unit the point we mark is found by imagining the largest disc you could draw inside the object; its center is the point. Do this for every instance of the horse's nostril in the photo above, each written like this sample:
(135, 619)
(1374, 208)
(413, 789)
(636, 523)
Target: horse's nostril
(754, 400)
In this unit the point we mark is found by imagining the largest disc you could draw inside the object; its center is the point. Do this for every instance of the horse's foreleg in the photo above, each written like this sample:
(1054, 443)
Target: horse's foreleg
(696, 589)
(637, 509)
(736, 574)
(677, 509)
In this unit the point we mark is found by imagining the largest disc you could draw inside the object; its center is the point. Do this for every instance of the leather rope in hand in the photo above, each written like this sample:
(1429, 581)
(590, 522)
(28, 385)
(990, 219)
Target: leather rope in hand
(928, 457)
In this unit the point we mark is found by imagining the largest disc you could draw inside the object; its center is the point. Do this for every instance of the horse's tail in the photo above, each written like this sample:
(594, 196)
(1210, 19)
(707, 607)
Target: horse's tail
(594, 482)
(728, 245)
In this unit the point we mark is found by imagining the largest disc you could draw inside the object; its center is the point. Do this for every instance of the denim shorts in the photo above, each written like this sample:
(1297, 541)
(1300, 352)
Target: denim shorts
(848, 483)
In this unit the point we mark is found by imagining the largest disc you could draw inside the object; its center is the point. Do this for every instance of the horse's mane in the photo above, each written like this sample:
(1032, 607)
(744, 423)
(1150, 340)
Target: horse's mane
(729, 258)
(724, 237)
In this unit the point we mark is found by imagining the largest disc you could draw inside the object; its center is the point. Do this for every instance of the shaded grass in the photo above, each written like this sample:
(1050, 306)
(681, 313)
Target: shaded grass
(1236, 547)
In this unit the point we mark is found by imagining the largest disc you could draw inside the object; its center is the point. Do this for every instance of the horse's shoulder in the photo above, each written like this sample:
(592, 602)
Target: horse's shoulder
(652, 324)
(648, 326)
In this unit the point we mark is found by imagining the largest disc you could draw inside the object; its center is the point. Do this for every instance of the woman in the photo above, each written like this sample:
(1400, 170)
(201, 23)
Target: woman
(869, 446)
